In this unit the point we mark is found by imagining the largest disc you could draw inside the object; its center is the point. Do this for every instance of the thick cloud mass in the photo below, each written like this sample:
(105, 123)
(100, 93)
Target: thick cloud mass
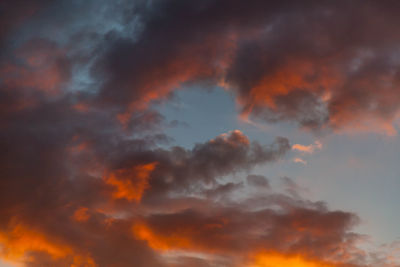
(299, 62)
(86, 175)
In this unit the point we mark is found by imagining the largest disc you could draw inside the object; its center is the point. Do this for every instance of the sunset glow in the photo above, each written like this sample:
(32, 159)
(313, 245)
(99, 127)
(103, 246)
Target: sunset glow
(276, 260)
(208, 133)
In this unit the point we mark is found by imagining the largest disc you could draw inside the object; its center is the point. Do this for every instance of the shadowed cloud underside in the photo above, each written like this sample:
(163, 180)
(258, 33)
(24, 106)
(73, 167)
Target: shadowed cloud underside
(90, 178)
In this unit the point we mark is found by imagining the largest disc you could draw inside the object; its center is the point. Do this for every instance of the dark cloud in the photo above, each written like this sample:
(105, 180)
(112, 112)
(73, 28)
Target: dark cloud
(285, 61)
(86, 176)
(179, 170)
(223, 190)
(72, 181)
(312, 231)
(258, 181)
(13, 14)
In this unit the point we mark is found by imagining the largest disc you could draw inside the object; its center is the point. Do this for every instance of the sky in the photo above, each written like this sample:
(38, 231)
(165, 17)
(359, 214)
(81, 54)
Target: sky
(213, 133)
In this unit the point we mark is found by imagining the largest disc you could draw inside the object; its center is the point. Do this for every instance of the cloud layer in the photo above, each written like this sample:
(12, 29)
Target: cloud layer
(284, 61)
(87, 175)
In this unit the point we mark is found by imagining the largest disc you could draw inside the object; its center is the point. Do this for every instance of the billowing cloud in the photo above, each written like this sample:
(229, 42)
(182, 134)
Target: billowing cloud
(320, 78)
(312, 231)
(88, 178)
(90, 195)
(85, 183)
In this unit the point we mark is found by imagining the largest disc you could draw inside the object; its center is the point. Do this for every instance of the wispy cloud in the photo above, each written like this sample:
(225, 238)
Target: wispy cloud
(308, 149)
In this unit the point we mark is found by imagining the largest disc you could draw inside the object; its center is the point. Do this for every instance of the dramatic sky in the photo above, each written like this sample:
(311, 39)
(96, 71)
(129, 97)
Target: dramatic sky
(199, 133)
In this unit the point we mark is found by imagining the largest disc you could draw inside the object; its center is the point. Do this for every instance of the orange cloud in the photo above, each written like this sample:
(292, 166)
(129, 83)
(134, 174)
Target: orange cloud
(130, 184)
(81, 214)
(190, 237)
(82, 261)
(20, 239)
(234, 138)
(161, 243)
(300, 160)
(287, 79)
(307, 149)
(283, 62)
(81, 107)
(280, 260)
(284, 81)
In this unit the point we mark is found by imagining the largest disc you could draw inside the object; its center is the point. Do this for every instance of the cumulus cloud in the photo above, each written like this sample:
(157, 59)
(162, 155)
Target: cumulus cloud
(87, 177)
(320, 79)
(76, 183)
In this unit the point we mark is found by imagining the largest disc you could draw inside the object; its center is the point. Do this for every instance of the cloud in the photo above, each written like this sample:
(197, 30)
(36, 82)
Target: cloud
(291, 187)
(307, 149)
(312, 232)
(88, 178)
(300, 160)
(304, 149)
(15, 13)
(131, 184)
(320, 79)
(258, 181)
(86, 182)
(118, 200)
(268, 260)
